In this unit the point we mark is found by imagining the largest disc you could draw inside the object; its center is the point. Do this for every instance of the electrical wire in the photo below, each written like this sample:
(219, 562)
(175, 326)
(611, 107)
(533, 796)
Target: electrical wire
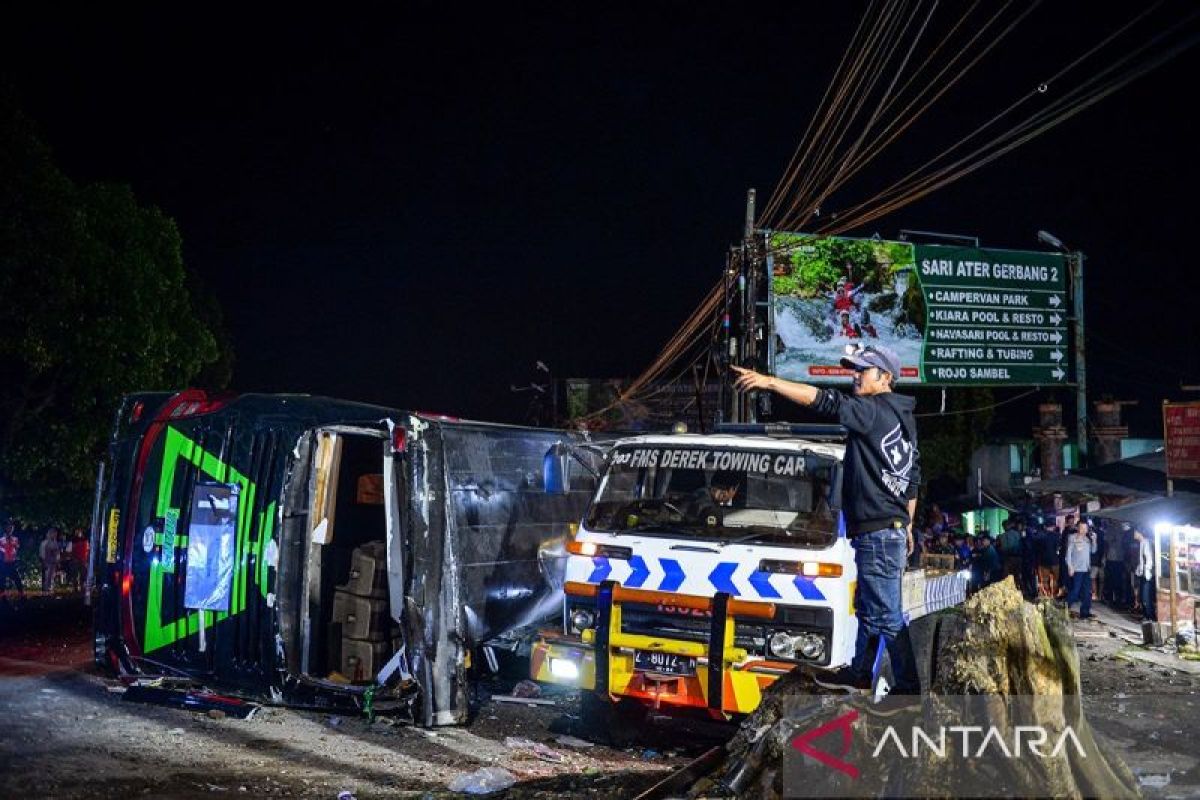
(799, 193)
(916, 185)
(980, 408)
(801, 152)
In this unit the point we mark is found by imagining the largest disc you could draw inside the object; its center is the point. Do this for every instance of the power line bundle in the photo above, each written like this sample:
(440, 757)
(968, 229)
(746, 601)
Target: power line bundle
(903, 57)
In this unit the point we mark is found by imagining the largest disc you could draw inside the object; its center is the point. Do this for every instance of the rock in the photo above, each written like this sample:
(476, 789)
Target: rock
(216, 713)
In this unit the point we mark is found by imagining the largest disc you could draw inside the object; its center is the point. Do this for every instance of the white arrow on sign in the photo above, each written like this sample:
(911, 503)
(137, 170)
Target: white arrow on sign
(1057, 337)
(1055, 318)
(1058, 374)
(1054, 301)
(1057, 355)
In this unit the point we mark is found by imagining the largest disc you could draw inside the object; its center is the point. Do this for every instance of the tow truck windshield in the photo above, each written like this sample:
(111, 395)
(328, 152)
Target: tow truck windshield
(726, 495)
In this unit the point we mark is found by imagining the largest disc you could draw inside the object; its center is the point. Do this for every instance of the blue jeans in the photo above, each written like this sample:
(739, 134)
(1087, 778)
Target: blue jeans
(880, 557)
(1147, 596)
(1081, 592)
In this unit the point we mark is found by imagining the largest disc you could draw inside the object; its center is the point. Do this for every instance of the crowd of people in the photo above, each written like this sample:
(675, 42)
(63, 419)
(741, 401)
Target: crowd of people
(60, 563)
(1076, 563)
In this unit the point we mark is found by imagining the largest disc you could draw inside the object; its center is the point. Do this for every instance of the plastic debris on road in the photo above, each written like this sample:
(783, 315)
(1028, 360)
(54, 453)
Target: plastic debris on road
(483, 781)
(536, 748)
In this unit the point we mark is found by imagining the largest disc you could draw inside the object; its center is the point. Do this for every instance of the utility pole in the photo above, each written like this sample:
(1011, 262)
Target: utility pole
(748, 285)
(1076, 261)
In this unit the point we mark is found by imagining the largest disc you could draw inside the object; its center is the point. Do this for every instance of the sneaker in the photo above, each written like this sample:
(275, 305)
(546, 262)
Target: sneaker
(841, 680)
(892, 704)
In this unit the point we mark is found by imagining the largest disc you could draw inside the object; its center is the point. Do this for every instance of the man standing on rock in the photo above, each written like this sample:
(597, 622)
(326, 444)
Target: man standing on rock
(879, 497)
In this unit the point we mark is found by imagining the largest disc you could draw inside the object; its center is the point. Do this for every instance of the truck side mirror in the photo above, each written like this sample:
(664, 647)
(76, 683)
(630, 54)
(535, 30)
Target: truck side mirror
(554, 470)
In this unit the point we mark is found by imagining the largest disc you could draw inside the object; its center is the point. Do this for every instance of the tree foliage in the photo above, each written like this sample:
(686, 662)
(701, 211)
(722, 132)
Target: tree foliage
(94, 303)
(948, 441)
(811, 266)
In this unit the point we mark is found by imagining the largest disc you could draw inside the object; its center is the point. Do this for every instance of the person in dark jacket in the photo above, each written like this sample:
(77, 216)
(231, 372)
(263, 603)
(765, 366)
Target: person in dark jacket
(1048, 560)
(986, 567)
(1029, 559)
(879, 497)
(962, 550)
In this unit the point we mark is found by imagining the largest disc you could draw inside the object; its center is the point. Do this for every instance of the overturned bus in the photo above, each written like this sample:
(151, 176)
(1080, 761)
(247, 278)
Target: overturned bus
(251, 541)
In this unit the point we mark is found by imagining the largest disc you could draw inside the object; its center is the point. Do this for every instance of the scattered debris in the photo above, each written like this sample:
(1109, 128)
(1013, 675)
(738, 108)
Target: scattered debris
(527, 688)
(483, 781)
(538, 749)
(176, 732)
(571, 741)
(191, 700)
(346, 794)
(333, 722)
(1158, 781)
(216, 713)
(529, 701)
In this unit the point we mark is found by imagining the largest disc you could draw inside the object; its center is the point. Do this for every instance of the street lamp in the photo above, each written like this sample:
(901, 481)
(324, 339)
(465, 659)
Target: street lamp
(1048, 238)
(1075, 261)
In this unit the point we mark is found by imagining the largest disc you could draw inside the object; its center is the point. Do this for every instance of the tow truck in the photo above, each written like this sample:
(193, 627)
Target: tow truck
(707, 567)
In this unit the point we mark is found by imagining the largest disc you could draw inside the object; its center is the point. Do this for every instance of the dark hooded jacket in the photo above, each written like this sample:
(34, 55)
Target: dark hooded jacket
(882, 465)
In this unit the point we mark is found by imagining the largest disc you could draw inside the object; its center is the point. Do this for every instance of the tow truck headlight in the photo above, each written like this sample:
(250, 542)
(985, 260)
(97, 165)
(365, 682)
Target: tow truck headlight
(581, 620)
(812, 646)
(782, 645)
(796, 646)
(564, 668)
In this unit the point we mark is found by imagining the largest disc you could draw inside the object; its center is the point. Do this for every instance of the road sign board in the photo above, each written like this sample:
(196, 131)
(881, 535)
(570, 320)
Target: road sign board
(1181, 432)
(953, 315)
(993, 316)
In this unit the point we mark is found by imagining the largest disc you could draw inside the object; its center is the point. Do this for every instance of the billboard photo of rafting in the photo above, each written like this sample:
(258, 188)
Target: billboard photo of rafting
(831, 292)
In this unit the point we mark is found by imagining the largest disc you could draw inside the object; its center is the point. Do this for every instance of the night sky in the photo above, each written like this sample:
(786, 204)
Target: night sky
(412, 207)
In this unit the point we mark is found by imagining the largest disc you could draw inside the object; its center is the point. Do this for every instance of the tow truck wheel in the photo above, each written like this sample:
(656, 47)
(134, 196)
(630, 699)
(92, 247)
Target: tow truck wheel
(616, 723)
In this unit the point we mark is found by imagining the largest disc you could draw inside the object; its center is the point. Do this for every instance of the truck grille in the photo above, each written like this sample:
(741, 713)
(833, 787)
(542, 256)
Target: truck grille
(647, 620)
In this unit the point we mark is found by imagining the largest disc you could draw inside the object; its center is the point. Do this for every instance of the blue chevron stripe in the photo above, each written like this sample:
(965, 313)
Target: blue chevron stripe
(722, 577)
(601, 571)
(639, 574)
(672, 575)
(808, 588)
(761, 581)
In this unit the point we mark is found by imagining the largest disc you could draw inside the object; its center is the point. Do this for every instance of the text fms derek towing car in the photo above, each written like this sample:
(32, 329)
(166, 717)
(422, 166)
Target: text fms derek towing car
(269, 543)
(708, 566)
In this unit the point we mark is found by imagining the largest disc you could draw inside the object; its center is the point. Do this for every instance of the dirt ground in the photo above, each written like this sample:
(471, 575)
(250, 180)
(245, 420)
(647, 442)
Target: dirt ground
(65, 734)
(68, 734)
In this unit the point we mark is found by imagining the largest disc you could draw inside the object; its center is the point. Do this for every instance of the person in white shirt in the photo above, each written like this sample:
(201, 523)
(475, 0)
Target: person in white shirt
(1143, 572)
(1078, 561)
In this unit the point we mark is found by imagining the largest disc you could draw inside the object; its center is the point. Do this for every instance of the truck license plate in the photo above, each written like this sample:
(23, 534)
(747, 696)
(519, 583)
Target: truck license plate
(663, 663)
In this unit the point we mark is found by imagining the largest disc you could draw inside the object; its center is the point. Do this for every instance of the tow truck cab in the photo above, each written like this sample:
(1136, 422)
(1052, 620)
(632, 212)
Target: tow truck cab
(706, 567)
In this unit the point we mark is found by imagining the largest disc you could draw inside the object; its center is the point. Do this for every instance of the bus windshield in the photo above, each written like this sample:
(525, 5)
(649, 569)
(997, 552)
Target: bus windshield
(720, 494)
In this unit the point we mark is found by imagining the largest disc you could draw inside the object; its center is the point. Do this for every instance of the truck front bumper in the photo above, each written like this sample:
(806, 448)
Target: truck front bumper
(727, 679)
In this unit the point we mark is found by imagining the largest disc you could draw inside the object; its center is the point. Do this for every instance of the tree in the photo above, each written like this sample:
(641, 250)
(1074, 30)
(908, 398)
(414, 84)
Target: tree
(948, 441)
(94, 303)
